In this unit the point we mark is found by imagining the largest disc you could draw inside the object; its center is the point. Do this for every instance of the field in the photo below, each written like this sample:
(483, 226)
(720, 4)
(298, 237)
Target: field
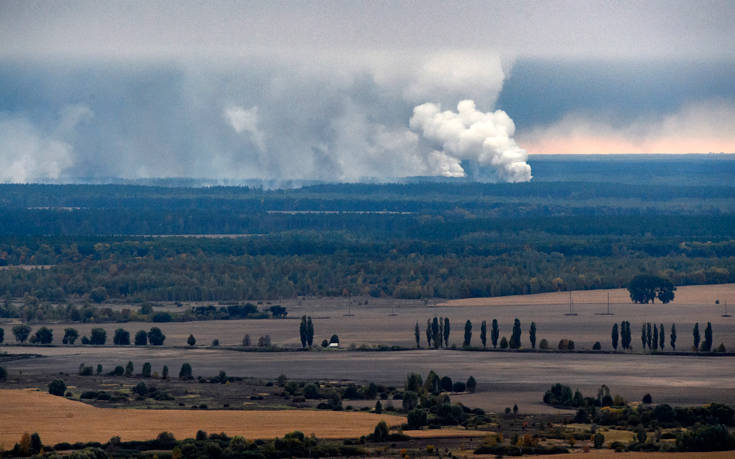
(57, 420)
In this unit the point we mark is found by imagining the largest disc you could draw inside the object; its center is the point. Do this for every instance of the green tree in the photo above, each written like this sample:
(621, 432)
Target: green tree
(446, 384)
(417, 418)
(21, 332)
(643, 336)
(672, 339)
(695, 336)
(503, 343)
(532, 334)
(141, 338)
(185, 372)
(615, 336)
(43, 335)
(645, 288)
(191, 340)
(467, 334)
(707, 342)
(515, 337)
(661, 336)
(471, 384)
(3, 374)
(57, 387)
(98, 336)
(414, 382)
(649, 335)
(164, 375)
(303, 334)
(129, 369)
(495, 333)
(483, 334)
(147, 370)
(309, 331)
(447, 329)
(381, 432)
(156, 336)
(429, 334)
(436, 337)
(121, 337)
(655, 337)
(98, 295)
(70, 335)
(410, 400)
(417, 335)
(2, 335)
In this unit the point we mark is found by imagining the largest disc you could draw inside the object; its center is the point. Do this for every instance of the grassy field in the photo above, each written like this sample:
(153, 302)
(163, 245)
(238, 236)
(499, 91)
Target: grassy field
(57, 419)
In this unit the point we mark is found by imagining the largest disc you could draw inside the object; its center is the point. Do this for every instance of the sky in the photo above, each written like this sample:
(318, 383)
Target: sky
(340, 90)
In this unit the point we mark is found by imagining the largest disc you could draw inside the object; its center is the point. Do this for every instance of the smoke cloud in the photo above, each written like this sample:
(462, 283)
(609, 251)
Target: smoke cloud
(469, 134)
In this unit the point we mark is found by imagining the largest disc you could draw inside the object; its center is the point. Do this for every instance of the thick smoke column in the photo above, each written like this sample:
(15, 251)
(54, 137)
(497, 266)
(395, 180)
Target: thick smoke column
(469, 134)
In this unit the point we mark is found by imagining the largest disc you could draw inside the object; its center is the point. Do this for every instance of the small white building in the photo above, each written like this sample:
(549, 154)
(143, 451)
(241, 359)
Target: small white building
(333, 345)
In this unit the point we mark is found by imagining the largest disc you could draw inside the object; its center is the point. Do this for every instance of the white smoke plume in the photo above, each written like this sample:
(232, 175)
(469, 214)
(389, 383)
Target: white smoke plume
(29, 153)
(246, 120)
(469, 134)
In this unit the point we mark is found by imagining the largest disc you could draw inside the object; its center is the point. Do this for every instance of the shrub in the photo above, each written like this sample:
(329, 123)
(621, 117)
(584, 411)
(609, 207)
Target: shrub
(43, 335)
(334, 339)
(446, 384)
(311, 391)
(185, 372)
(459, 386)
(85, 370)
(191, 340)
(57, 387)
(471, 384)
(598, 440)
(3, 374)
(98, 294)
(141, 338)
(543, 344)
(98, 336)
(417, 418)
(146, 370)
(121, 337)
(597, 346)
(156, 336)
(246, 341)
(504, 343)
(118, 371)
(162, 317)
(647, 399)
(140, 389)
(129, 369)
(215, 342)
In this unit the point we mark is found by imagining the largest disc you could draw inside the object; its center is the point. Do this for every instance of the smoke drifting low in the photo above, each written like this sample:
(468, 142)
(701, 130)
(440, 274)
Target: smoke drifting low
(271, 119)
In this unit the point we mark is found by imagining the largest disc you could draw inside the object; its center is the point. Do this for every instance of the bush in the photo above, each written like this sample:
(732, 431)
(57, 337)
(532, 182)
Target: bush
(141, 338)
(191, 340)
(156, 336)
(598, 440)
(647, 399)
(311, 391)
(43, 335)
(3, 374)
(70, 335)
(471, 384)
(459, 386)
(98, 336)
(118, 371)
(57, 387)
(504, 343)
(121, 337)
(566, 345)
(185, 372)
(417, 418)
(140, 389)
(215, 342)
(162, 317)
(706, 438)
(146, 370)
(597, 346)
(543, 344)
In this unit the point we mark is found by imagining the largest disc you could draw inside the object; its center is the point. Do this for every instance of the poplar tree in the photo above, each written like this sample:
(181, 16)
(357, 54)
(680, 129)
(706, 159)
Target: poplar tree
(532, 334)
(707, 343)
(483, 334)
(643, 336)
(428, 332)
(495, 333)
(615, 336)
(672, 339)
(661, 337)
(695, 336)
(446, 331)
(515, 337)
(467, 334)
(655, 337)
(417, 334)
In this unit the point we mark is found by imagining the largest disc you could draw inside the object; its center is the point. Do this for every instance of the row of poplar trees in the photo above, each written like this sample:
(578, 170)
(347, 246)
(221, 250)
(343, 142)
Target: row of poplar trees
(438, 330)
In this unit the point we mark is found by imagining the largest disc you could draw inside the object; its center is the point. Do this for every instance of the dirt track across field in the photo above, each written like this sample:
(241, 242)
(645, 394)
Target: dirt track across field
(57, 419)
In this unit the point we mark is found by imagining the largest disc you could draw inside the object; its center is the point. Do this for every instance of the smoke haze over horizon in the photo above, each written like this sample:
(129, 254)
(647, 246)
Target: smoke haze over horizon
(345, 92)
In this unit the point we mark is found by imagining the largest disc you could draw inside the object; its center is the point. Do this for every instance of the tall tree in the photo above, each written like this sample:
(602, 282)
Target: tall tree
(707, 343)
(417, 335)
(21, 332)
(441, 332)
(661, 336)
(309, 331)
(447, 329)
(532, 335)
(615, 336)
(649, 335)
(672, 339)
(428, 333)
(495, 333)
(467, 334)
(302, 332)
(643, 336)
(695, 336)
(435, 336)
(483, 334)
(515, 337)
(655, 337)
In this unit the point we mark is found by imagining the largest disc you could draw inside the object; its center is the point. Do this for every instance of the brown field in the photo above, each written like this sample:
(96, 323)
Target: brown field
(608, 454)
(689, 294)
(57, 419)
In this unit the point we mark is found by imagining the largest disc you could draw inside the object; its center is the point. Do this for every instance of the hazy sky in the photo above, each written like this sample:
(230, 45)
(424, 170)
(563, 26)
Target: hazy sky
(344, 90)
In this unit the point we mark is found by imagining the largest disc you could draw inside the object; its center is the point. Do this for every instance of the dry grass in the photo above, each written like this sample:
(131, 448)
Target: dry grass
(609, 454)
(690, 294)
(57, 420)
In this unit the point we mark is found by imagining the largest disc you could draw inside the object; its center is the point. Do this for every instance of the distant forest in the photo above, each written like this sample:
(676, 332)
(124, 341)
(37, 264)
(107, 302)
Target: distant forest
(415, 240)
